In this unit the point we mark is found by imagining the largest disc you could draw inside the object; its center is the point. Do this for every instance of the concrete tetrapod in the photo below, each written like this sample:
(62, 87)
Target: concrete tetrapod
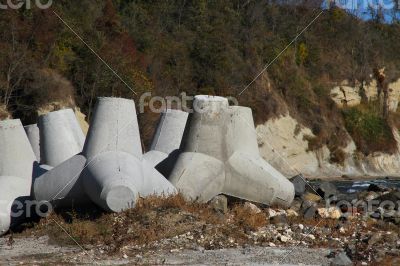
(60, 137)
(165, 147)
(221, 157)
(62, 185)
(110, 171)
(16, 166)
(117, 174)
(32, 131)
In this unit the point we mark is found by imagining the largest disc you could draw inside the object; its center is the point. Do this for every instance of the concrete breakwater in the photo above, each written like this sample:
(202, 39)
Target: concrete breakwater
(210, 152)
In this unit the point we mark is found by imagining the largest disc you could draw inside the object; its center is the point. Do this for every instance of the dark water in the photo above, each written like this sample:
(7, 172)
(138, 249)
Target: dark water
(361, 185)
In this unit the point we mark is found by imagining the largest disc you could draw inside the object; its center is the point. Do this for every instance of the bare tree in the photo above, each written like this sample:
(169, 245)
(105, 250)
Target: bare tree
(15, 59)
(383, 91)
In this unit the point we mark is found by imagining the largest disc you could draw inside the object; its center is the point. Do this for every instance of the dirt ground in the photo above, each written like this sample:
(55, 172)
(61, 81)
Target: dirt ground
(171, 231)
(39, 251)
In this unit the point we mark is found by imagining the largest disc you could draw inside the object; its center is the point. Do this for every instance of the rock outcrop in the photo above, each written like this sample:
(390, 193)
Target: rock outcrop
(346, 95)
(283, 143)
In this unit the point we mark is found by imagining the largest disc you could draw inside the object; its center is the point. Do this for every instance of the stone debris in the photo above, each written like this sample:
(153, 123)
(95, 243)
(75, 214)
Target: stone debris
(310, 213)
(332, 213)
(342, 260)
(291, 213)
(253, 208)
(299, 185)
(327, 190)
(279, 219)
(220, 203)
(312, 197)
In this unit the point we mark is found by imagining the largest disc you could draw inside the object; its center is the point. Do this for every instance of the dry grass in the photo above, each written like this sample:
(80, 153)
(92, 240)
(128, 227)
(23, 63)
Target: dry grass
(247, 219)
(158, 223)
(4, 114)
(390, 261)
(153, 219)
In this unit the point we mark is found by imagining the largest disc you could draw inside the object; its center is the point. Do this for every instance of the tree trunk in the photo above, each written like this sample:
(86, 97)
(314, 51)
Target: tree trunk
(385, 101)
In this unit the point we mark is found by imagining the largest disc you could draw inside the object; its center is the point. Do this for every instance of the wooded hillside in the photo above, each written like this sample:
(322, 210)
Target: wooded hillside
(200, 47)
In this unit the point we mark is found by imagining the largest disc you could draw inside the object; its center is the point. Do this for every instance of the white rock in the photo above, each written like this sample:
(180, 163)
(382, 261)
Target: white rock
(253, 208)
(271, 213)
(289, 231)
(292, 213)
(312, 237)
(283, 239)
(331, 213)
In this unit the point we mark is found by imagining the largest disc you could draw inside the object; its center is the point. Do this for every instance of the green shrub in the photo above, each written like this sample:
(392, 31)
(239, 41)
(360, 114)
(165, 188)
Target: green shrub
(369, 130)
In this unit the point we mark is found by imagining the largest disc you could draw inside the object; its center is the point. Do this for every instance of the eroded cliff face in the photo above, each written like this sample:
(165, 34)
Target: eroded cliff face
(347, 95)
(283, 143)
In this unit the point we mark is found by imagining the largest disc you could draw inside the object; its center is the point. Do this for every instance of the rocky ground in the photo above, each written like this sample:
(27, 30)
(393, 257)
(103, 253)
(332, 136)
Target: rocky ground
(38, 251)
(350, 230)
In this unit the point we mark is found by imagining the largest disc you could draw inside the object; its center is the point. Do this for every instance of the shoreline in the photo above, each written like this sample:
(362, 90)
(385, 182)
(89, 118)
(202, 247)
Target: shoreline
(352, 178)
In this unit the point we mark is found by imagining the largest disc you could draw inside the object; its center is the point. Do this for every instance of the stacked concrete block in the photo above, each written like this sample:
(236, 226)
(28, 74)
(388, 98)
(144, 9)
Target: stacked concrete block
(32, 131)
(17, 161)
(114, 174)
(61, 141)
(167, 139)
(221, 157)
(60, 137)
(216, 152)
(62, 185)
(169, 133)
(117, 174)
(110, 171)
